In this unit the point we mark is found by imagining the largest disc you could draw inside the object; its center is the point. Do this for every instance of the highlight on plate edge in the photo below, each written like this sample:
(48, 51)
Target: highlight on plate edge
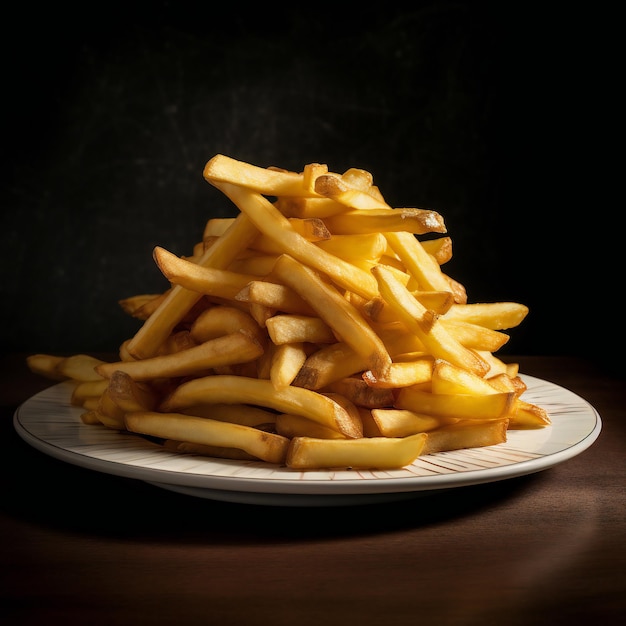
(314, 330)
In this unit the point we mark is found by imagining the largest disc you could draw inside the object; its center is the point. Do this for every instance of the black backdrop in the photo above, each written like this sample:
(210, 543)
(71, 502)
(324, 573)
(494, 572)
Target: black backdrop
(475, 109)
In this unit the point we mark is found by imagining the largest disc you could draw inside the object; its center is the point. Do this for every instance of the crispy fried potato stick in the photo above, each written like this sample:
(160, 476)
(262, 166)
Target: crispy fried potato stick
(237, 347)
(276, 226)
(206, 280)
(270, 182)
(402, 423)
(290, 426)
(467, 434)
(287, 359)
(402, 374)
(223, 320)
(329, 364)
(347, 323)
(179, 300)
(46, 365)
(261, 392)
(494, 315)
(299, 328)
(437, 340)
(200, 430)
(479, 407)
(421, 265)
(355, 221)
(365, 453)
(80, 367)
(274, 296)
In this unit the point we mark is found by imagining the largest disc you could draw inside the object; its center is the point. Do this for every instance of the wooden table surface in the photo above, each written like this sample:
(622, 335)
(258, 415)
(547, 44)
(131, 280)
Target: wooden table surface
(78, 547)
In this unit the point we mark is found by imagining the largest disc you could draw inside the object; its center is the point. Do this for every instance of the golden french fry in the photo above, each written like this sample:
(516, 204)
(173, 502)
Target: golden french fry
(402, 374)
(237, 347)
(358, 249)
(290, 426)
(261, 392)
(437, 340)
(309, 207)
(131, 395)
(179, 301)
(363, 453)
(287, 361)
(402, 423)
(46, 365)
(410, 221)
(137, 306)
(88, 389)
(494, 315)
(276, 226)
(357, 391)
(478, 407)
(329, 364)
(440, 248)
(343, 318)
(244, 414)
(81, 367)
(299, 328)
(467, 434)
(475, 336)
(223, 320)
(266, 446)
(274, 296)
(268, 181)
(205, 280)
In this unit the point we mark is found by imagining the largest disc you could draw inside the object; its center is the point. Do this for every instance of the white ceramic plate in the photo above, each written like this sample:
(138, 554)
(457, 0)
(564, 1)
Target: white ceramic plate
(50, 424)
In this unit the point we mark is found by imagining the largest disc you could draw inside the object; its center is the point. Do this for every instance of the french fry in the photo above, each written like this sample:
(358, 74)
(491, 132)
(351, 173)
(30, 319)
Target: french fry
(46, 365)
(437, 340)
(80, 367)
(402, 374)
(410, 221)
(363, 453)
(261, 392)
(346, 322)
(276, 226)
(237, 347)
(236, 413)
(203, 449)
(266, 446)
(466, 434)
(357, 391)
(479, 407)
(494, 315)
(402, 423)
(275, 296)
(223, 320)
(290, 426)
(287, 361)
(299, 328)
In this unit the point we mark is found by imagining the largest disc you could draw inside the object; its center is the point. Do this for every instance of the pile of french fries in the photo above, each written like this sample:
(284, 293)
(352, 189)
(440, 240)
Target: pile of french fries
(313, 330)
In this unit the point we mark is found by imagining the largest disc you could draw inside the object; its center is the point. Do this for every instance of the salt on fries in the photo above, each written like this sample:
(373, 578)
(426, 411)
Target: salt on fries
(313, 330)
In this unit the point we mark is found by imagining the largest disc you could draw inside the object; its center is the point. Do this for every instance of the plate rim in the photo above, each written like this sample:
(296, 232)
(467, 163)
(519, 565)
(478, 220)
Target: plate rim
(197, 484)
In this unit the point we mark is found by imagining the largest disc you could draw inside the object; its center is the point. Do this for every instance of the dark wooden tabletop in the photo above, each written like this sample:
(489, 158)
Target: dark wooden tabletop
(79, 547)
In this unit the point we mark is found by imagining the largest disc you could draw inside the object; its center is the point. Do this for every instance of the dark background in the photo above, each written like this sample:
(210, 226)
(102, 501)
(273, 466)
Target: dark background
(482, 111)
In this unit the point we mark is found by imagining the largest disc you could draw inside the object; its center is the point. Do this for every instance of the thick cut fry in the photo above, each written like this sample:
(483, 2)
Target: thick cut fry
(466, 435)
(402, 423)
(206, 280)
(179, 300)
(131, 395)
(46, 365)
(475, 336)
(244, 414)
(365, 453)
(237, 347)
(494, 315)
(357, 249)
(236, 389)
(421, 265)
(478, 407)
(223, 320)
(271, 182)
(287, 360)
(275, 296)
(220, 452)
(276, 226)
(88, 389)
(80, 367)
(440, 249)
(266, 446)
(309, 207)
(437, 340)
(299, 328)
(329, 364)
(347, 323)
(340, 190)
(355, 221)
(136, 306)
(290, 426)
(402, 374)
(357, 391)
